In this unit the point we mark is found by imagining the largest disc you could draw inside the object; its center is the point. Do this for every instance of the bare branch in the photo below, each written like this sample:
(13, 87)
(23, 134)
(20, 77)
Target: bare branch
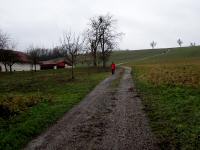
(153, 44)
(180, 42)
(34, 54)
(72, 44)
(102, 36)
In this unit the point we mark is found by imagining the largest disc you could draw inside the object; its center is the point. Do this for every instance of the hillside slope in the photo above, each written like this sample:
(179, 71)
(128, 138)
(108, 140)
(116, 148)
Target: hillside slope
(169, 85)
(157, 55)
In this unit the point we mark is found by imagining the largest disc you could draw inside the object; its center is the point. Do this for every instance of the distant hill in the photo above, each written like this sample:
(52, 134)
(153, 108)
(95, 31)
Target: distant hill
(156, 55)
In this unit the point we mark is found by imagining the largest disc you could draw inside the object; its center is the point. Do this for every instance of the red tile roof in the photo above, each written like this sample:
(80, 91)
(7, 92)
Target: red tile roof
(21, 57)
(56, 61)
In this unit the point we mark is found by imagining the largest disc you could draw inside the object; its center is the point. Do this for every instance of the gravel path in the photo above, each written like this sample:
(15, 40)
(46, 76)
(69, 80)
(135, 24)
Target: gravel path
(109, 118)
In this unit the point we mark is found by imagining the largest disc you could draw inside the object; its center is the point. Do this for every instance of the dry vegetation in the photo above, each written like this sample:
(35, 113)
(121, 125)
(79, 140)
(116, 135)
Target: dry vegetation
(180, 74)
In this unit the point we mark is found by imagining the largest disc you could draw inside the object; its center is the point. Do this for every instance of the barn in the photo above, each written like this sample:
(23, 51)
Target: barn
(57, 63)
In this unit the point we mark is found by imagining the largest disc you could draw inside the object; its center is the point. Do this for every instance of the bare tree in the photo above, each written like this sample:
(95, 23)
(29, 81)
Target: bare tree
(12, 59)
(180, 42)
(4, 40)
(153, 44)
(4, 54)
(4, 44)
(192, 44)
(8, 59)
(7, 56)
(92, 38)
(72, 44)
(108, 36)
(34, 54)
(102, 36)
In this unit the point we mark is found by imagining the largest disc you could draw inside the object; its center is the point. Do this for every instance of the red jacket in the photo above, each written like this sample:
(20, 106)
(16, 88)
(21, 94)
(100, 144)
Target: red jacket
(113, 66)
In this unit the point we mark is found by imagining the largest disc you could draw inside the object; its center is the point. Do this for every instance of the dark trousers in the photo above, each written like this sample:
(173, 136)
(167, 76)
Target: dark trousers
(113, 71)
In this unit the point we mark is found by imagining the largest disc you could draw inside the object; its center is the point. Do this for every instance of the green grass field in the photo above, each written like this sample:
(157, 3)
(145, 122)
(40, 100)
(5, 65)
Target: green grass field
(30, 102)
(134, 56)
(169, 85)
(156, 55)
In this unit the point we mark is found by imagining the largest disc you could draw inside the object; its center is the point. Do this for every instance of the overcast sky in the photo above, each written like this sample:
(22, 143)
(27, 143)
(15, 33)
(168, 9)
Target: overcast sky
(42, 22)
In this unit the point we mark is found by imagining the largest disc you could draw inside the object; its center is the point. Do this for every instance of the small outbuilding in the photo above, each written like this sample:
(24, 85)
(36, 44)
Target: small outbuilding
(57, 63)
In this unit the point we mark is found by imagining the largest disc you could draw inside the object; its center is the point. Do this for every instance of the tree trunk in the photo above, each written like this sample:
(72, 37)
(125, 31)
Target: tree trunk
(72, 71)
(104, 63)
(10, 68)
(104, 59)
(6, 69)
(94, 57)
(35, 67)
(103, 52)
(72, 67)
(95, 60)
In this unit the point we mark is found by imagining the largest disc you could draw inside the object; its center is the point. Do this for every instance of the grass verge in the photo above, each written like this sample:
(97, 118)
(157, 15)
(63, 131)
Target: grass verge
(34, 101)
(173, 109)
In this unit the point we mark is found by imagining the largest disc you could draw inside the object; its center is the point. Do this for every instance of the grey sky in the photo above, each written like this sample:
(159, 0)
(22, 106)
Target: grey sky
(41, 22)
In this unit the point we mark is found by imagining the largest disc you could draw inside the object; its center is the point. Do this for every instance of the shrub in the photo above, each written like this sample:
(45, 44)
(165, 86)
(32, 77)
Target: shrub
(11, 105)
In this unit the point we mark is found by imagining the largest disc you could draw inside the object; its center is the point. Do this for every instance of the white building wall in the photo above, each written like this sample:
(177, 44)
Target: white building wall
(67, 66)
(20, 67)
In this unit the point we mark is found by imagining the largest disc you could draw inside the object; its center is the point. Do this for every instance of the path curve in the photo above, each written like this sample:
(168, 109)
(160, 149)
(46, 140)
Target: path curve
(109, 118)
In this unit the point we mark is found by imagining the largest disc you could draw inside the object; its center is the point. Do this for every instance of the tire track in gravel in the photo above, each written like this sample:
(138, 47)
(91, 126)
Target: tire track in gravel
(109, 118)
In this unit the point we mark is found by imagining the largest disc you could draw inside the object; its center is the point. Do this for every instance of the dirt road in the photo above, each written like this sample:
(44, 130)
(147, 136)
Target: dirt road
(109, 118)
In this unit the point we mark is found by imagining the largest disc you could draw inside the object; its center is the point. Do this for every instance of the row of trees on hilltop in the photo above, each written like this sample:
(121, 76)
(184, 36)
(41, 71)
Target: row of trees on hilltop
(179, 41)
(47, 54)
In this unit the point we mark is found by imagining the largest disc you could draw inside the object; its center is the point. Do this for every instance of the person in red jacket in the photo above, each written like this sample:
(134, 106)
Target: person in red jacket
(113, 67)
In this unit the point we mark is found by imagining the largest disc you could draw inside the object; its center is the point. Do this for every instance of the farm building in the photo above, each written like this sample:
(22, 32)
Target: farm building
(57, 63)
(23, 63)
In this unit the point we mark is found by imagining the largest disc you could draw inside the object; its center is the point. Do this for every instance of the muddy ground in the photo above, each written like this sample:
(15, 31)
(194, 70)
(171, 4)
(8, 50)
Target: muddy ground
(109, 118)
